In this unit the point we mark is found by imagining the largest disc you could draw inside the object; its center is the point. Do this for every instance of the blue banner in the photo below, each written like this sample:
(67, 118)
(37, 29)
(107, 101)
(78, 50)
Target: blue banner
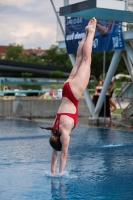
(108, 35)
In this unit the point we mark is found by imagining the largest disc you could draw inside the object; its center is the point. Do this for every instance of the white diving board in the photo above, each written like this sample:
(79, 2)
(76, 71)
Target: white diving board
(100, 9)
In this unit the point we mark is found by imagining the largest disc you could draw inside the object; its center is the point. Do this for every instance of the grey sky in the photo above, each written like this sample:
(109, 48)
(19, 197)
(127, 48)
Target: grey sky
(31, 23)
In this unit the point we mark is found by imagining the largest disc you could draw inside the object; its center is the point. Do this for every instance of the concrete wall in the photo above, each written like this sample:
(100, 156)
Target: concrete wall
(35, 108)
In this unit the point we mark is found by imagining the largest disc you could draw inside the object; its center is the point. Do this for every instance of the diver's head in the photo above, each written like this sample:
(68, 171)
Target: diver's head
(54, 139)
(55, 142)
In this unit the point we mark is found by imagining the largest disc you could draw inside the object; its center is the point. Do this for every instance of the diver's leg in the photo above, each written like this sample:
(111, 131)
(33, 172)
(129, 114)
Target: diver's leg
(80, 81)
(79, 57)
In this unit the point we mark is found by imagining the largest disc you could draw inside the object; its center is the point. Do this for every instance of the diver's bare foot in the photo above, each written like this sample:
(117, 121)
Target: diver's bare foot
(56, 174)
(91, 27)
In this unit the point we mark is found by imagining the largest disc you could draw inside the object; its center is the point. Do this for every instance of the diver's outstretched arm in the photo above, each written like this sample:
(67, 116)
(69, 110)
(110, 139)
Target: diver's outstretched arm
(65, 139)
(54, 161)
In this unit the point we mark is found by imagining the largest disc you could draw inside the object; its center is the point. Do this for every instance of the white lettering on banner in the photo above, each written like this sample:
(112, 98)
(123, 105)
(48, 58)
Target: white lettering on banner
(70, 37)
(95, 43)
(79, 35)
(74, 21)
(115, 42)
(75, 36)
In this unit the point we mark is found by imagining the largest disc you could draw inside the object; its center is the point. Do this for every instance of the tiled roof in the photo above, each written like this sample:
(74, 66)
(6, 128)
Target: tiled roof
(37, 51)
(3, 50)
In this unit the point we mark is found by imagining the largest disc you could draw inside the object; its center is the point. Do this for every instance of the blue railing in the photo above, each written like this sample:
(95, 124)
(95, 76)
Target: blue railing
(24, 91)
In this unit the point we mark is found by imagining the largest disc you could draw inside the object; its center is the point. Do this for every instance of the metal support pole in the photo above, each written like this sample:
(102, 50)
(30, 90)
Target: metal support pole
(0, 85)
(66, 2)
(113, 65)
(129, 50)
(104, 59)
(63, 32)
(89, 102)
(128, 64)
(126, 5)
(71, 56)
(124, 28)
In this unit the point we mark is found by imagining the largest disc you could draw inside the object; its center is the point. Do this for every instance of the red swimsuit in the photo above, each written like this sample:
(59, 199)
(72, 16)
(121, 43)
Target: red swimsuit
(66, 92)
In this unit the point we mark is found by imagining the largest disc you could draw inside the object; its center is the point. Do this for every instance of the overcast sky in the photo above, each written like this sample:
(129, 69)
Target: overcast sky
(31, 23)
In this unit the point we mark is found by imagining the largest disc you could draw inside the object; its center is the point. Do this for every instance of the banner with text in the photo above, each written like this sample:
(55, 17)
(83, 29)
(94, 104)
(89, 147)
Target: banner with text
(108, 35)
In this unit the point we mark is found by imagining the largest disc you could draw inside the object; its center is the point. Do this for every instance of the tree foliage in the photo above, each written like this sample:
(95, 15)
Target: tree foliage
(56, 57)
(26, 74)
(14, 52)
(57, 74)
(97, 64)
(53, 56)
(129, 26)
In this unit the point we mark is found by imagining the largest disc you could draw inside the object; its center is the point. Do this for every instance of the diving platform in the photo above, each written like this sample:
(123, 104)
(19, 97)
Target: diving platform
(100, 9)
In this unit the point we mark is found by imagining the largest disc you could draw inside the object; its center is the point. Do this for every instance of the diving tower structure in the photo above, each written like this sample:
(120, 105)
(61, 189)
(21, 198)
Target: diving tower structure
(115, 10)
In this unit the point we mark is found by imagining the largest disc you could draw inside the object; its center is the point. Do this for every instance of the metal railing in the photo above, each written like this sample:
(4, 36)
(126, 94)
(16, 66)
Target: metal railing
(22, 92)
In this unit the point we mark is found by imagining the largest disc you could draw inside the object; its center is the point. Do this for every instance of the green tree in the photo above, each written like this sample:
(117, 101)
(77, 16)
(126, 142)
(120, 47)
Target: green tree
(129, 26)
(31, 59)
(14, 52)
(59, 57)
(56, 57)
(97, 64)
(26, 75)
(57, 74)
